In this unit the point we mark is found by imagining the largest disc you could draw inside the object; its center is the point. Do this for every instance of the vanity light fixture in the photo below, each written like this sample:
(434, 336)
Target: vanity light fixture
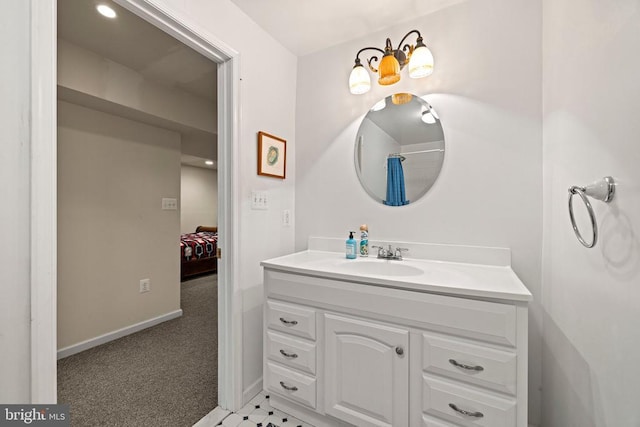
(418, 57)
(106, 11)
(208, 162)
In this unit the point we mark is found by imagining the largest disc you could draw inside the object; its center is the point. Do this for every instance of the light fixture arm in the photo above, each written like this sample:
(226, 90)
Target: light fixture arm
(407, 46)
(369, 60)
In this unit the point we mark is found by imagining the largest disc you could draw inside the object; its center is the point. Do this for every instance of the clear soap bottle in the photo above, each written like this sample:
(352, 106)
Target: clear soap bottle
(364, 240)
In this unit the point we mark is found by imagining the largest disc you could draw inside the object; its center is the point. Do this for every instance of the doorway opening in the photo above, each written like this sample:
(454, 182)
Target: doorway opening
(44, 284)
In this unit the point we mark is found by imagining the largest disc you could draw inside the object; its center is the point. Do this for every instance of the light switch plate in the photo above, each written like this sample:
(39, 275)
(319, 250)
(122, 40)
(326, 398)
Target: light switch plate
(259, 200)
(286, 218)
(145, 285)
(169, 204)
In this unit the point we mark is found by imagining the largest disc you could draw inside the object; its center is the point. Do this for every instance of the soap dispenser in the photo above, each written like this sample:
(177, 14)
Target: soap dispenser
(351, 247)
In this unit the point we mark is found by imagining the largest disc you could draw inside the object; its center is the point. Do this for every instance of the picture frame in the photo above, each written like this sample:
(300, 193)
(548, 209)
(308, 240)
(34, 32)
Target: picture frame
(272, 156)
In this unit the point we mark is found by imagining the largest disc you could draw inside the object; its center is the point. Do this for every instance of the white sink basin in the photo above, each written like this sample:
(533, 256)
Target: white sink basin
(381, 268)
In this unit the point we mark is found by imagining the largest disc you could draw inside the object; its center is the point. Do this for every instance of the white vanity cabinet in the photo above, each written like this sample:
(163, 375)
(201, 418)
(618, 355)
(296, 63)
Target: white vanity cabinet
(367, 371)
(341, 352)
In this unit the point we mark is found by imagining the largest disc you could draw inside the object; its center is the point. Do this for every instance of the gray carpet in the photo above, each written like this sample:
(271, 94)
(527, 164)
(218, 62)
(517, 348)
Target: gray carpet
(163, 376)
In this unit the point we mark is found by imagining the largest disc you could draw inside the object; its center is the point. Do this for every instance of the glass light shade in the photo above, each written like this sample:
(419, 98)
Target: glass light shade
(428, 118)
(421, 63)
(389, 70)
(401, 98)
(359, 80)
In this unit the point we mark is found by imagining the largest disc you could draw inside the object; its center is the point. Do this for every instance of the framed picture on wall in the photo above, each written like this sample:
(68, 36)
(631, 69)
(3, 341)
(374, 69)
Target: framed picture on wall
(272, 155)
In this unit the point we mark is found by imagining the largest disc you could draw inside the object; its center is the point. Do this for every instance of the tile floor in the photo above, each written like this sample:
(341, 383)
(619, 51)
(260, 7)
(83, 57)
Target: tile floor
(259, 413)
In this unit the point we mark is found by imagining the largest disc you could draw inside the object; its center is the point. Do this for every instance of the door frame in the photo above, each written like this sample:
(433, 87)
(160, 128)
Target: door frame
(43, 219)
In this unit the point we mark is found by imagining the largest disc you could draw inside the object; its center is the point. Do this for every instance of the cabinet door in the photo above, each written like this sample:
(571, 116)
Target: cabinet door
(367, 372)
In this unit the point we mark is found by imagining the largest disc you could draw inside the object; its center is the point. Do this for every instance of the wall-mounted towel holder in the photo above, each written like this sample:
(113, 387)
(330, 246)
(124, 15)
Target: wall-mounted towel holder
(603, 190)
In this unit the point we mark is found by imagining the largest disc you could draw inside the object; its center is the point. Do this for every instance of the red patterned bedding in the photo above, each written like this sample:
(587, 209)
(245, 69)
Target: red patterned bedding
(196, 246)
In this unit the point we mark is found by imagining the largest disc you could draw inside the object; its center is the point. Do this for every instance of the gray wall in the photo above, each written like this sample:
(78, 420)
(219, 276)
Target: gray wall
(199, 198)
(112, 176)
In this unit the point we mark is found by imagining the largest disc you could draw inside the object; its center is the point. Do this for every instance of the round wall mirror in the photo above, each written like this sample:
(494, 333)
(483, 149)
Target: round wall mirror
(399, 149)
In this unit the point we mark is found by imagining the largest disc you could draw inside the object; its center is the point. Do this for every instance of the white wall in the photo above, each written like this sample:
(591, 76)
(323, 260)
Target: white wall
(591, 296)
(14, 215)
(487, 90)
(112, 232)
(198, 198)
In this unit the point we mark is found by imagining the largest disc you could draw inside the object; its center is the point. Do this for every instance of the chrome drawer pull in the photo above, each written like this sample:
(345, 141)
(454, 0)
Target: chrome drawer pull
(288, 322)
(289, 355)
(288, 388)
(463, 412)
(476, 368)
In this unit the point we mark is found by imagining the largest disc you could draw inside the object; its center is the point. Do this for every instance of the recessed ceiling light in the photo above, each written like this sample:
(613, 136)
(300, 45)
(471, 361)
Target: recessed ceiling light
(209, 162)
(106, 11)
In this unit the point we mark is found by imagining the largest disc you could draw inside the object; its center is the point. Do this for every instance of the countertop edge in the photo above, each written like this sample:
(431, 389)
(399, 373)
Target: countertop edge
(398, 284)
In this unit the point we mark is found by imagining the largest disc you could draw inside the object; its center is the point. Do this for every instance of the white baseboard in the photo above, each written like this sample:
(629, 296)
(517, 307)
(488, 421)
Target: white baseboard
(251, 391)
(102, 339)
(213, 418)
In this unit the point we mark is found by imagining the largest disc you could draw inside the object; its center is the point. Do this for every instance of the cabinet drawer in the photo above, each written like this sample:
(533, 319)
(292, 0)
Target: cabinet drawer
(291, 352)
(291, 318)
(477, 364)
(290, 384)
(440, 398)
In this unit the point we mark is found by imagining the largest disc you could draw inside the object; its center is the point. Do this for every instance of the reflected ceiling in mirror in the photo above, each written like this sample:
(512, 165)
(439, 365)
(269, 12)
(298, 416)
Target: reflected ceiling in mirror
(399, 149)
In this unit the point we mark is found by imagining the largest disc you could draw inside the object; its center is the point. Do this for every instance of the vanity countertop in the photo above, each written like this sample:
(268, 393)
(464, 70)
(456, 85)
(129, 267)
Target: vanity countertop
(422, 275)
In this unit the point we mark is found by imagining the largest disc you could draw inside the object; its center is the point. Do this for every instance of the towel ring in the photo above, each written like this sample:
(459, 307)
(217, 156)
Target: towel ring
(603, 190)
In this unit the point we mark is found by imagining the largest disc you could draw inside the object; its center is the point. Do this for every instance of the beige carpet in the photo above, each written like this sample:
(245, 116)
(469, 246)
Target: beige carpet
(163, 376)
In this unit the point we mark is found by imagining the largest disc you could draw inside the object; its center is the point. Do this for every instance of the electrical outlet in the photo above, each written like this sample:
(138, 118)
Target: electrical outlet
(286, 218)
(145, 285)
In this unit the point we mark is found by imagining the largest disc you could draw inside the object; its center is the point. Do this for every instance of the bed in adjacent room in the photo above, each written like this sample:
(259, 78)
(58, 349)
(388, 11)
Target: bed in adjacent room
(198, 252)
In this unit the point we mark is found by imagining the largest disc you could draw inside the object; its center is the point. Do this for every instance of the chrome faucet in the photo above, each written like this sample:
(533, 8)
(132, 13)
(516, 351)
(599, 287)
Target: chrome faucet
(390, 253)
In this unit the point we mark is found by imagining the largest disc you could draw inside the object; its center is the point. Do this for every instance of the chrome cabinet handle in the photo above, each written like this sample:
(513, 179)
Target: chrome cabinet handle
(476, 368)
(288, 388)
(463, 412)
(289, 355)
(399, 351)
(288, 322)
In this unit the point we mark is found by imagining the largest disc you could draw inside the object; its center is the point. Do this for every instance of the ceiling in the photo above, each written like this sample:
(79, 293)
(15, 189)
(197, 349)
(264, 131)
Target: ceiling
(140, 46)
(305, 26)
(155, 54)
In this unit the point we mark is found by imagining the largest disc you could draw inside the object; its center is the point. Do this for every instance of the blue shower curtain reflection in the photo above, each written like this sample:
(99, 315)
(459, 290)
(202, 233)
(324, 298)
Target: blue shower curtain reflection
(395, 183)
